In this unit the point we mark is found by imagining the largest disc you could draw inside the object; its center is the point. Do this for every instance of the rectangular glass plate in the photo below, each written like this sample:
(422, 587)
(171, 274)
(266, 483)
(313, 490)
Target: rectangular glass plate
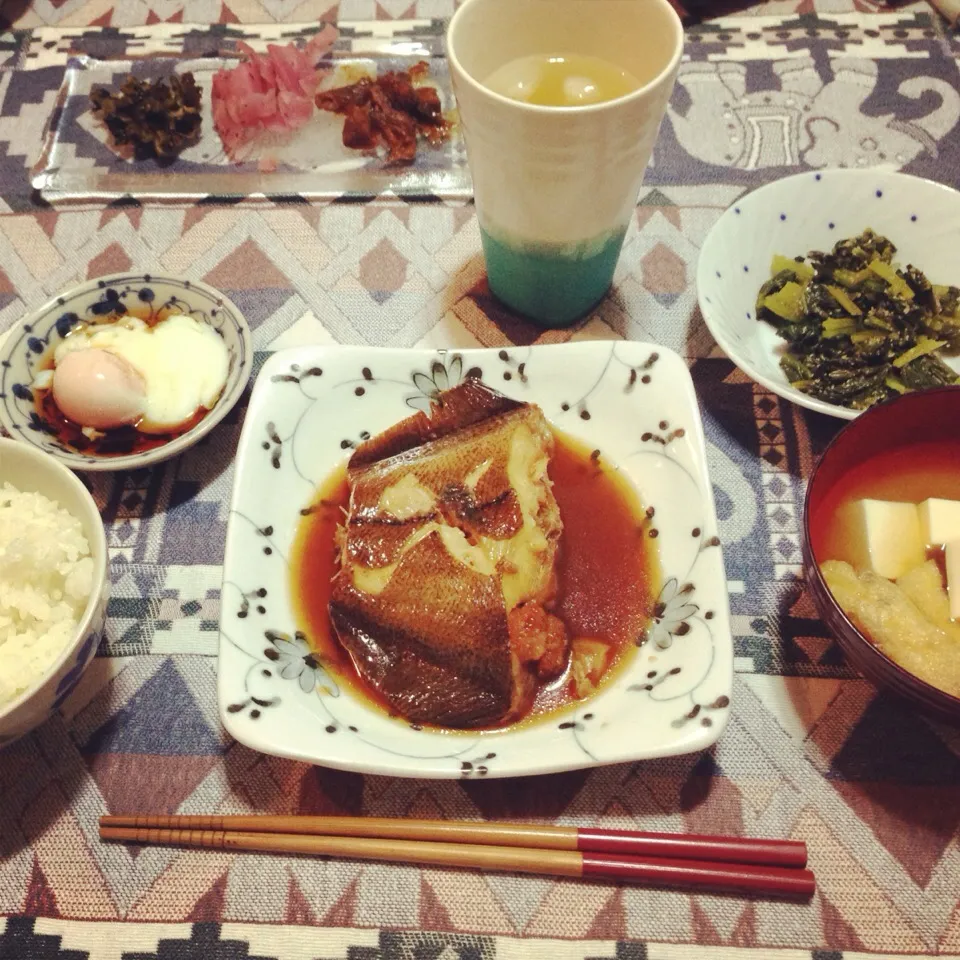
(77, 163)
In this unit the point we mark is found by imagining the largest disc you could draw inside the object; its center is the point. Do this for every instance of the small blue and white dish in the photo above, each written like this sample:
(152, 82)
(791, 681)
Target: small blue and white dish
(812, 211)
(27, 347)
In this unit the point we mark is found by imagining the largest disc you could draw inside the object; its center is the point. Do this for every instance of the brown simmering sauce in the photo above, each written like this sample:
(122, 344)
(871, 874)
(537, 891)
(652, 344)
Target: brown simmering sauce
(607, 567)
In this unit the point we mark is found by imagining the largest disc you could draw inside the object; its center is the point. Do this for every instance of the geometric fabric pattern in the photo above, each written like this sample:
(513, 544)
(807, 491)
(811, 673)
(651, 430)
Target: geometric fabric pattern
(70, 940)
(812, 751)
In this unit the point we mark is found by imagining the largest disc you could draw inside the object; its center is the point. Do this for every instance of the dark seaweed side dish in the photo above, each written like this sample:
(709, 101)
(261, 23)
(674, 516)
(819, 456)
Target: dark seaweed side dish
(860, 328)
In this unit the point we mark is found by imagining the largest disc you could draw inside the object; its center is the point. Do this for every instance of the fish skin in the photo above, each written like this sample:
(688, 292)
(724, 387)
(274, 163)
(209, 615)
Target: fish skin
(435, 641)
(439, 655)
(452, 411)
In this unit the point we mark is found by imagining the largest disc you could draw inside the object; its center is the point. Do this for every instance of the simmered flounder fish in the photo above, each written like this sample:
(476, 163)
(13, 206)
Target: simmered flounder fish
(447, 561)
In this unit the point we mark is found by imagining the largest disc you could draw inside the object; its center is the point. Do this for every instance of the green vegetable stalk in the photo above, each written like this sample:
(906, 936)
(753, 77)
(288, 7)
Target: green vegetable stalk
(860, 328)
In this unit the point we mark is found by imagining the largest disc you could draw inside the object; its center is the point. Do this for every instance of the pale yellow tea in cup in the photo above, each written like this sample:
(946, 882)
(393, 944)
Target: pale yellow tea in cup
(563, 80)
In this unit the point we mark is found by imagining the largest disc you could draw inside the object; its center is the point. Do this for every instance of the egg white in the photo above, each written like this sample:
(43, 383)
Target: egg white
(183, 362)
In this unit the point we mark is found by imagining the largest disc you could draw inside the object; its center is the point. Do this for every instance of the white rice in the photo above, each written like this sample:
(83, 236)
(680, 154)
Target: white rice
(46, 576)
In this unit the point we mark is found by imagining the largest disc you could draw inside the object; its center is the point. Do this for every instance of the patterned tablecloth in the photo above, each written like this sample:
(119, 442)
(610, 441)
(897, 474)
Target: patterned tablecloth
(812, 751)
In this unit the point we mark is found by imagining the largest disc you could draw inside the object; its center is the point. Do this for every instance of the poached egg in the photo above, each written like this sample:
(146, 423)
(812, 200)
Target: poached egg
(128, 373)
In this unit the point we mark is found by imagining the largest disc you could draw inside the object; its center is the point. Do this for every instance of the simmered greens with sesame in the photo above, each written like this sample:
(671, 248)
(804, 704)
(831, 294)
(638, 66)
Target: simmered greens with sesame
(860, 328)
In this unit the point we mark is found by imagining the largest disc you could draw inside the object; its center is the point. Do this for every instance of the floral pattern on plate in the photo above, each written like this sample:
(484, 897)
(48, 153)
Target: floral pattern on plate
(312, 406)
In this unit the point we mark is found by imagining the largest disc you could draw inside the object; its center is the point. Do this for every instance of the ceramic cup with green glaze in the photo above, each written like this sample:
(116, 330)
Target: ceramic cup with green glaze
(555, 187)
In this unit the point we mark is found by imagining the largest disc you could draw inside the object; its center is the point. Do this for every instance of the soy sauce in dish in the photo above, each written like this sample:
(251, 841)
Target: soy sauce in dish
(118, 442)
(607, 569)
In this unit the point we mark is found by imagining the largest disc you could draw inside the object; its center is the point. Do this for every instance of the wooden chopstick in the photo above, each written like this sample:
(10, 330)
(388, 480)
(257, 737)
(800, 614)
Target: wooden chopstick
(774, 853)
(656, 871)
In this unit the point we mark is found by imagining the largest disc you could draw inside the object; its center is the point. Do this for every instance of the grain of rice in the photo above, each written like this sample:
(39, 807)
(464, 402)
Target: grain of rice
(46, 577)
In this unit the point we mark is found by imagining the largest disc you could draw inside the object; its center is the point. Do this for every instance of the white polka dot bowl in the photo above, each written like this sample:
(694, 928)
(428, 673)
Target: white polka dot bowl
(26, 351)
(812, 211)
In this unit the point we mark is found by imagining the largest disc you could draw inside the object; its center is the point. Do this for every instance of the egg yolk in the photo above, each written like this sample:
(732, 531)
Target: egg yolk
(98, 389)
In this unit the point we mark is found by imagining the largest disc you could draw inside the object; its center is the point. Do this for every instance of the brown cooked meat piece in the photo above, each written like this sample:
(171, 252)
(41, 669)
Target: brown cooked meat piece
(539, 638)
(388, 111)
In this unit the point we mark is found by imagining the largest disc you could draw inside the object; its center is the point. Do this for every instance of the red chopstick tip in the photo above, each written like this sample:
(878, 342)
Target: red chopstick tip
(768, 881)
(774, 853)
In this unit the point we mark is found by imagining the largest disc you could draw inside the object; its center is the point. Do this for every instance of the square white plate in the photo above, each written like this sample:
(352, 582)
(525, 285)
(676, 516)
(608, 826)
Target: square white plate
(633, 401)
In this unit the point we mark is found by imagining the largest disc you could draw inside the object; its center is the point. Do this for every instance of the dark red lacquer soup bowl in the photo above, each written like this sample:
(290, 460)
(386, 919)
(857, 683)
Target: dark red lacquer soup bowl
(919, 432)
